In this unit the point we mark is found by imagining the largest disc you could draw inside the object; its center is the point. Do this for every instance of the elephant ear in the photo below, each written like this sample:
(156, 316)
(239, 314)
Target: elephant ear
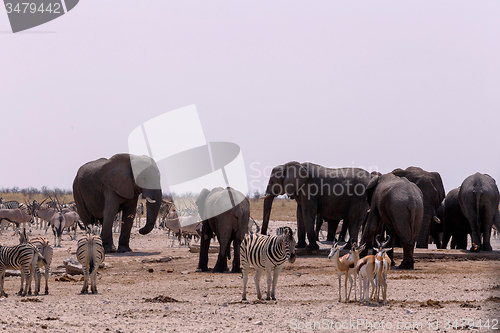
(370, 188)
(200, 202)
(116, 174)
(439, 185)
(399, 172)
(295, 177)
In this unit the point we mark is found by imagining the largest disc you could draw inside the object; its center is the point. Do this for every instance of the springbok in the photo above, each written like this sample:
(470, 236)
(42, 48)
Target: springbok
(382, 266)
(342, 266)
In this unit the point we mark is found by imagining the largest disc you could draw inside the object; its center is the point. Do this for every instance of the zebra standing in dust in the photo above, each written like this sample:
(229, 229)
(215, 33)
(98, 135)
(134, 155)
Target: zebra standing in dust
(44, 247)
(90, 253)
(266, 253)
(21, 257)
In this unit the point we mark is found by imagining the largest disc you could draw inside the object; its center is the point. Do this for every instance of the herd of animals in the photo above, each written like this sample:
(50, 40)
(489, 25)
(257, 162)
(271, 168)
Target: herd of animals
(405, 207)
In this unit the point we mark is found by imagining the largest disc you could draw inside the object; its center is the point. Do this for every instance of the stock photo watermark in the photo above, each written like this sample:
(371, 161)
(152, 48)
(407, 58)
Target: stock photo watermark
(26, 14)
(366, 324)
(187, 162)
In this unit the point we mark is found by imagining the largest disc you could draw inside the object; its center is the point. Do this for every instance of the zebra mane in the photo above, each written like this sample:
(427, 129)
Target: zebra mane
(283, 231)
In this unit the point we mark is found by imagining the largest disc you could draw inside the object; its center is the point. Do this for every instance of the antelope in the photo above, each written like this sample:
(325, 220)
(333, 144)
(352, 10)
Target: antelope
(354, 257)
(382, 266)
(342, 265)
(366, 271)
(18, 215)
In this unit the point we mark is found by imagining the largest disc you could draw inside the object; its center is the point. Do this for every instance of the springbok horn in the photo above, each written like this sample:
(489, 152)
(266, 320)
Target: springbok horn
(376, 240)
(387, 241)
(148, 199)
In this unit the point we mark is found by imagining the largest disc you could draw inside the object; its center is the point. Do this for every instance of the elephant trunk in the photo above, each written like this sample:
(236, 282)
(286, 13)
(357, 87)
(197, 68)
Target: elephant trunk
(153, 207)
(268, 204)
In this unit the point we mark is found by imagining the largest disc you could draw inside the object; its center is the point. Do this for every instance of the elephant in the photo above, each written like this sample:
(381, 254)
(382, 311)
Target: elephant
(455, 224)
(104, 187)
(431, 185)
(479, 197)
(396, 206)
(335, 194)
(229, 226)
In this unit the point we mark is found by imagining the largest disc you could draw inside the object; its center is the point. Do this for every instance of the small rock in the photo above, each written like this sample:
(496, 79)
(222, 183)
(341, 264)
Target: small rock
(258, 323)
(165, 259)
(410, 311)
(72, 266)
(3, 299)
(208, 280)
(150, 270)
(170, 270)
(185, 272)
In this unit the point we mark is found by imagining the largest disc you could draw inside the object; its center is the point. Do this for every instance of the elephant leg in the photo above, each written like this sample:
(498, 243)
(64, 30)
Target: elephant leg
(128, 222)
(486, 245)
(236, 259)
(423, 235)
(332, 229)
(110, 210)
(206, 236)
(343, 233)
(308, 217)
(319, 223)
(221, 265)
(301, 229)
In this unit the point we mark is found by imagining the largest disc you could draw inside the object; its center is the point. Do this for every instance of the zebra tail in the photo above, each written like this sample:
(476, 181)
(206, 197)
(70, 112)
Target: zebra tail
(91, 254)
(39, 254)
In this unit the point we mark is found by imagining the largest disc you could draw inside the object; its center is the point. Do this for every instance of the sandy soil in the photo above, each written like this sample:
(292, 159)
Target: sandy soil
(141, 292)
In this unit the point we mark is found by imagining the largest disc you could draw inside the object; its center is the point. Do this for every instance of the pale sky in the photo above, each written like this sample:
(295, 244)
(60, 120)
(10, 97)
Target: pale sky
(379, 85)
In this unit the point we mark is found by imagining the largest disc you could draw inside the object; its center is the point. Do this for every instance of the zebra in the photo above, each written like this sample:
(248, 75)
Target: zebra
(22, 257)
(139, 213)
(90, 253)
(266, 253)
(44, 247)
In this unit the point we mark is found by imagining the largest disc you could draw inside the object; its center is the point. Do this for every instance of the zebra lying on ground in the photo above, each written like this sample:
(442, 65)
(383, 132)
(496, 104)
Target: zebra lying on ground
(22, 257)
(266, 253)
(44, 247)
(90, 254)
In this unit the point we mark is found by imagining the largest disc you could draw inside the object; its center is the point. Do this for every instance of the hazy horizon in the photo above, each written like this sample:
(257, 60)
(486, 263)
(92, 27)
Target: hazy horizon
(373, 85)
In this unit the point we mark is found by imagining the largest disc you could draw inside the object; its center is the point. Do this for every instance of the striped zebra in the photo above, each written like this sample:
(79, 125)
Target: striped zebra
(21, 257)
(43, 246)
(266, 253)
(90, 253)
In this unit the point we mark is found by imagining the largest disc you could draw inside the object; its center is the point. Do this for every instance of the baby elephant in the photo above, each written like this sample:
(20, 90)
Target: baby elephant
(90, 254)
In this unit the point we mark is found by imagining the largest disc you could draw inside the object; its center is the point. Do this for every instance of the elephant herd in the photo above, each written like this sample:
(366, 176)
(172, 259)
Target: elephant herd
(409, 205)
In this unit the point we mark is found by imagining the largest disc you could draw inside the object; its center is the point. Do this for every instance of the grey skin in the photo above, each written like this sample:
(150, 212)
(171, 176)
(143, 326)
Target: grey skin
(431, 185)
(396, 206)
(479, 197)
(455, 224)
(229, 226)
(333, 193)
(104, 187)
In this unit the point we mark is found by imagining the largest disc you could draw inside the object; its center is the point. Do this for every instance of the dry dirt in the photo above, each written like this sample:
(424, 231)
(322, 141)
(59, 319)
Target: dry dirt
(140, 293)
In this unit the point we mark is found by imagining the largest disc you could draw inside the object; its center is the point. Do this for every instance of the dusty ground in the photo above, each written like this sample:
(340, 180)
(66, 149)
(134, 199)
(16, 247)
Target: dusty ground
(439, 293)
